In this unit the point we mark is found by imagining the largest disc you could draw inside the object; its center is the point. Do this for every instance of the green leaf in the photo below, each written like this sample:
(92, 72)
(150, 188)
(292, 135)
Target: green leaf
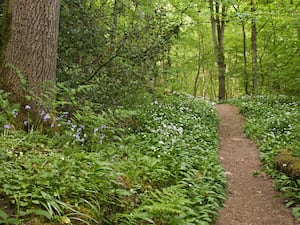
(3, 215)
(12, 221)
(144, 216)
(40, 213)
(296, 212)
(289, 204)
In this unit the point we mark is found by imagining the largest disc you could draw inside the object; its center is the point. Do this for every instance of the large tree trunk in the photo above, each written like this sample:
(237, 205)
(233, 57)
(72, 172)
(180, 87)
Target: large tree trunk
(31, 47)
(217, 20)
(254, 50)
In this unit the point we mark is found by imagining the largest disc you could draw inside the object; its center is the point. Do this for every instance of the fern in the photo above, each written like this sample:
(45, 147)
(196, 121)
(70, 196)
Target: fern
(160, 206)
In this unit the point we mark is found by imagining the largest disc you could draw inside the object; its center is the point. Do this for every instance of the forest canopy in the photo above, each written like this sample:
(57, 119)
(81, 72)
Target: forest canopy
(123, 45)
(118, 48)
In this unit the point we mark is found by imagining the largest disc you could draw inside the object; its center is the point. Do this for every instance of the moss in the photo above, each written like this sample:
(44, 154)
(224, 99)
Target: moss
(4, 29)
(287, 163)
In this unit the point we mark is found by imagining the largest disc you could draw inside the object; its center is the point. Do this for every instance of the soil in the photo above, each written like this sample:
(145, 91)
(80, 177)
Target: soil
(251, 198)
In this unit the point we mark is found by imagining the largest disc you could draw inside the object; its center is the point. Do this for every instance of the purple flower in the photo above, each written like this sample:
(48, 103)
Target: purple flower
(102, 136)
(6, 126)
(15, 113)
(25, 122)
(102, 127)
(42, 113)
(27, 107)
(77, 136)
(46, 117)
(73, 127)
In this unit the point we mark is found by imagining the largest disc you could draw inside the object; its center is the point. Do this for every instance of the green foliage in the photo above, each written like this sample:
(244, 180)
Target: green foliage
(7, 111)
(179, 139)
(5, 219)
(273, 123)
(155, 164)
(277, 48)
(117, 46)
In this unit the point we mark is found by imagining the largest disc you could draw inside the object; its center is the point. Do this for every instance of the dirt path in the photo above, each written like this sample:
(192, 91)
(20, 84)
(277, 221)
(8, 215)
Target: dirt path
(250, 198)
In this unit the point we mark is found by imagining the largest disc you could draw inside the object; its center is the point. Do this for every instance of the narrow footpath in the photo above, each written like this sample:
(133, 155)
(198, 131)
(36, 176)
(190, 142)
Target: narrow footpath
(251, 199)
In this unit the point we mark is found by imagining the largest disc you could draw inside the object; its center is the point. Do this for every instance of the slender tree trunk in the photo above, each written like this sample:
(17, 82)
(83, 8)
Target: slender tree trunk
(204, 86)
(254, 50)
(113, 36)
(221, 58)
(218, 28)
(197, 79)
(246, 78)
(31, 46)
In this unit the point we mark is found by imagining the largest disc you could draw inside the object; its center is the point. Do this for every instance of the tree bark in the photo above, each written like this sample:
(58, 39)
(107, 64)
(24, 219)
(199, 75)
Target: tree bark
(254, 50)
(113, 36)
(246, 78)
(31, 47)
(218, 28)
(197, 78)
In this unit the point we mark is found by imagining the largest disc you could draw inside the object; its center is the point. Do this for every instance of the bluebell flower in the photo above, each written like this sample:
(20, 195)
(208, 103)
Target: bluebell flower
(77, 136)
(73, 127)
(46, 117)
(6, 126)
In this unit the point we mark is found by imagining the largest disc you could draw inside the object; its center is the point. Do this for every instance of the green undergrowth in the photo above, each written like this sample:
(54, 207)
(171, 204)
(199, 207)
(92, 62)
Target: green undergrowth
(156, 164)
(273, 123)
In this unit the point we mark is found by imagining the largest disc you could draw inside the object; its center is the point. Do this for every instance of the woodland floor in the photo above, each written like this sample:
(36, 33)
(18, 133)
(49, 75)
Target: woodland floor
(251, 199)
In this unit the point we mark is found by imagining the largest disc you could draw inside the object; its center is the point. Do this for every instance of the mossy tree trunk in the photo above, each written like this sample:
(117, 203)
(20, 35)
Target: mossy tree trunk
(30, 46)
